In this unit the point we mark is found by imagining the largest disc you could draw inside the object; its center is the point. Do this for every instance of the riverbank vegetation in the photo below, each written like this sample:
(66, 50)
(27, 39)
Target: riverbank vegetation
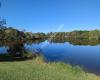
(37, 69)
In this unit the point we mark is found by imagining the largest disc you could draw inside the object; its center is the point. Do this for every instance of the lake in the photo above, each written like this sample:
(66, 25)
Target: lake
(84, 54)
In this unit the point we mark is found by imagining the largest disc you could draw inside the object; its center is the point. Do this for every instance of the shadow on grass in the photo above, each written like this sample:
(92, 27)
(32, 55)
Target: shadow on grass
(9, 58)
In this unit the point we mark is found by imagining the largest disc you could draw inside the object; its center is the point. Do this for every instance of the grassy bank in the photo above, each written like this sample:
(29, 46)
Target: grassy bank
(38, 70)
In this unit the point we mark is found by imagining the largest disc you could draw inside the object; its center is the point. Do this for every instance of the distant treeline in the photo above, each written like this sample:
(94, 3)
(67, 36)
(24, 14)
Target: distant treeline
(9, 33)
(77, 34)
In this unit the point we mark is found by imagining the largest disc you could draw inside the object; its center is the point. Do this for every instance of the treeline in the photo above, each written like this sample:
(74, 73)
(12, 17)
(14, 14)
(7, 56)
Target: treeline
(78, 34)
(9, 33)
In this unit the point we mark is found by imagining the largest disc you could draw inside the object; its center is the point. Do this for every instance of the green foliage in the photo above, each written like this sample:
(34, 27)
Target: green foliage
(27, 54)
(33, 70)
(89, 35)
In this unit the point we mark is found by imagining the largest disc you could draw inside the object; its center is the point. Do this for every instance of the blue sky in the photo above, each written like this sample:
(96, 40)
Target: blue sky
(49, 15)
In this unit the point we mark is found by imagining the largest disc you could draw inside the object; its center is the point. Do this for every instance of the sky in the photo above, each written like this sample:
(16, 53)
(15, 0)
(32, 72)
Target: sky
(51, 15)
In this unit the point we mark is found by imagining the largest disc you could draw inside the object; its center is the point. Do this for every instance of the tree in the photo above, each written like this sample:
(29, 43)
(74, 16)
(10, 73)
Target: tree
(2, 28)
(94, 34)
(2, 23)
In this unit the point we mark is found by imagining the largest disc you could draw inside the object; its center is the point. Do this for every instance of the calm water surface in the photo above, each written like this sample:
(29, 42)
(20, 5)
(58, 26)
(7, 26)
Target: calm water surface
(86, 56)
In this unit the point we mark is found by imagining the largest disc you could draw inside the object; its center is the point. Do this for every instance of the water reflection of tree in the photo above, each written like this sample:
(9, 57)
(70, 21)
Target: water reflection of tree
(77, 41)
(29, 42)
(16, 49)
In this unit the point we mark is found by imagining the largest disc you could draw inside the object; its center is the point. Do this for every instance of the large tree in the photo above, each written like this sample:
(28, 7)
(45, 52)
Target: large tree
(2, 23)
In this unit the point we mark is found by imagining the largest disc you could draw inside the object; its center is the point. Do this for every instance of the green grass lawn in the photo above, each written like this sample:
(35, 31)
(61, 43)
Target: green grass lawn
(38, 70)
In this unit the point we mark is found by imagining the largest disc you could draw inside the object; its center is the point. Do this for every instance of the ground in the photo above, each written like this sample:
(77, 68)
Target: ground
(37, 69)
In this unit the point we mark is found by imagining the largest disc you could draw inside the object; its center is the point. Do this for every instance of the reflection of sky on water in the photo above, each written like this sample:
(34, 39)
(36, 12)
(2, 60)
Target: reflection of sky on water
(3, 50)
(85, 56)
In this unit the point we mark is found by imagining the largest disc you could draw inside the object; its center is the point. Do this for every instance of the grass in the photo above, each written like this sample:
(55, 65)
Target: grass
(36, 69)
